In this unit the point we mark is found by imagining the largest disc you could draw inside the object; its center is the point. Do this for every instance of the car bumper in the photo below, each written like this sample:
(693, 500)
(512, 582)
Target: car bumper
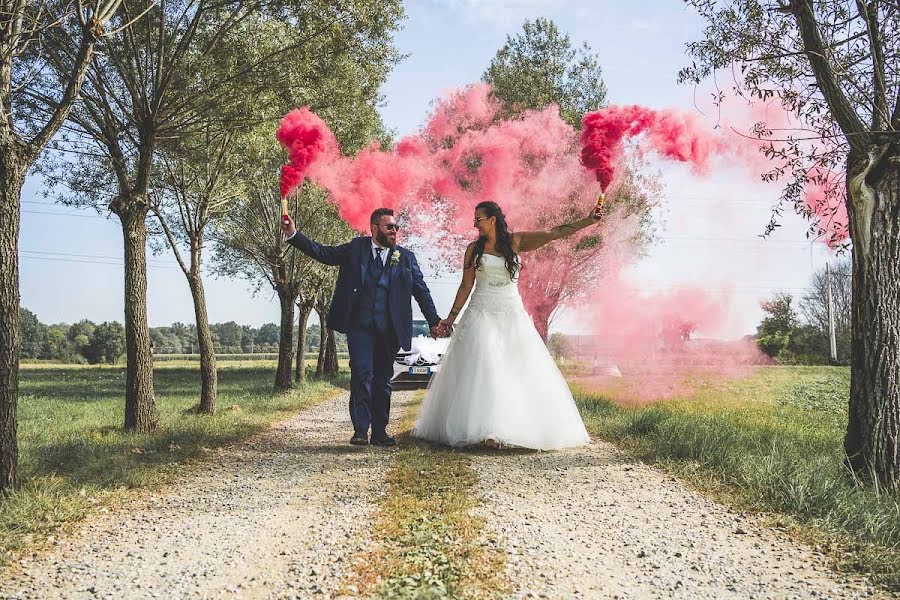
(414, 373)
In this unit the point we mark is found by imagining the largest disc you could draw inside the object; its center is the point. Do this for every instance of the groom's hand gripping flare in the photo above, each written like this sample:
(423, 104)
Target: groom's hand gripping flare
(287, 226)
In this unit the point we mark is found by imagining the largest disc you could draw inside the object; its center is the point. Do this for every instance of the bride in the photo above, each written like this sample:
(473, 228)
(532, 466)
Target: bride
(498, 383)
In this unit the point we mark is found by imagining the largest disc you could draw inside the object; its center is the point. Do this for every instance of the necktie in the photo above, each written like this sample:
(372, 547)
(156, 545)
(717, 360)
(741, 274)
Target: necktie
(379, 264)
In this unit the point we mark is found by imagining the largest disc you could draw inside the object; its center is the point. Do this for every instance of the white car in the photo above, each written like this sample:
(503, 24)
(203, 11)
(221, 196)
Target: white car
(423, 359)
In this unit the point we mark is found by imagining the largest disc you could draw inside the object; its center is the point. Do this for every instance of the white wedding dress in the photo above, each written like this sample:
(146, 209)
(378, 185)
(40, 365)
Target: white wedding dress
(497, 380)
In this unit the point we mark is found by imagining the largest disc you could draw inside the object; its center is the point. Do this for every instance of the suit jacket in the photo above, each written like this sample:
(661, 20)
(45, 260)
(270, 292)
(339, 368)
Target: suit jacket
(405, 278)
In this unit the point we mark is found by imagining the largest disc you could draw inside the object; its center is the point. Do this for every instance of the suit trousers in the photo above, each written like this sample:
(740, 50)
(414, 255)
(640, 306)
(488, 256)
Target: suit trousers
(372, 355)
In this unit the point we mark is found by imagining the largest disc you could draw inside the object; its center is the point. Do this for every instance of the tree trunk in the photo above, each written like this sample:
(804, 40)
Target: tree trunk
(208, 375)
(542, 324)
(872, 442)
(286, 342)
(12, 176)
(140, 405)
(331, 363)
(323, 342)
(300, 371)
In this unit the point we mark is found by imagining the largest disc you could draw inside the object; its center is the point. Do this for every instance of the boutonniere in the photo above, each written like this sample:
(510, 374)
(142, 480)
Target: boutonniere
(395, 257)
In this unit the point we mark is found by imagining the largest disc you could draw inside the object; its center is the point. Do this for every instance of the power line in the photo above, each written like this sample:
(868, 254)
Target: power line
(55, 214)
(98, 256)
(92, 262)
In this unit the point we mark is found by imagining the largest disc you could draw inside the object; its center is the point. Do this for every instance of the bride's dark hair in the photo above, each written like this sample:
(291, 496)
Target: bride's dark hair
(504, 240)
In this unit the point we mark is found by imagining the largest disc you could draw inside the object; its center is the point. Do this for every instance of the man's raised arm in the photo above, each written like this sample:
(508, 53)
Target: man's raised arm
(328, 255)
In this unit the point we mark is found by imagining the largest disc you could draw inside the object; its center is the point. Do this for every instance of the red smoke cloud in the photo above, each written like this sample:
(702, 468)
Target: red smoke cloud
(306, 137)
(674, 135)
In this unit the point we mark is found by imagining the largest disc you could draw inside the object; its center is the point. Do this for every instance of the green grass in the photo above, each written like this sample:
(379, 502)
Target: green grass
(75, 457)
(771, 443)
(428, 544)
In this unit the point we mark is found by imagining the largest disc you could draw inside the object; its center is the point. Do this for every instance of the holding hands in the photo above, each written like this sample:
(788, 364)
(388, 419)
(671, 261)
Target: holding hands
(443, 328)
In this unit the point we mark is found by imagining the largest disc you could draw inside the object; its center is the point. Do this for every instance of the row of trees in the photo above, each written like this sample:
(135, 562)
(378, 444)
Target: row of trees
(80, 342)
(162, 116)
(86, 341)
(798, 332)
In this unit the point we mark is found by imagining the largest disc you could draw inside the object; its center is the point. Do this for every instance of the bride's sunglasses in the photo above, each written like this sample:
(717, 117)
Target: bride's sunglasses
(475, 222)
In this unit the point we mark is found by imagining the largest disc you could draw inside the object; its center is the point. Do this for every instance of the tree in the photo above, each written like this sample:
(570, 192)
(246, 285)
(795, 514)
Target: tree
(539, 66)
(536, 68)
(250, 245)
(80, 334)
(814, 309)
(833, 66)
(58, 347)
(107, 343)
(30, 32)
(34, 334)
(773, 335)
(268, 334)
(327, 361)
(196, 187)
(305, 306)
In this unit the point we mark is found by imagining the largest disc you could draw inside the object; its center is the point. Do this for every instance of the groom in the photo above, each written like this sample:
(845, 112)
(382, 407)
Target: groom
(372, 305)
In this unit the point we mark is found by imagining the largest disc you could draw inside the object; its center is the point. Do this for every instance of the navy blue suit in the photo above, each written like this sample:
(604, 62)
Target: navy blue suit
(373, 306)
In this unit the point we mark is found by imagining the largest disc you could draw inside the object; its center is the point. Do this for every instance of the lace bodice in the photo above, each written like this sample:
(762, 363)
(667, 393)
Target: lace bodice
(495, 290)
(492, 276)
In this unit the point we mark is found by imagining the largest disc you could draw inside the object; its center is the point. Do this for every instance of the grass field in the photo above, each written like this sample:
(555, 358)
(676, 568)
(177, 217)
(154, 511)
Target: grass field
(74, 456)
(771, 443)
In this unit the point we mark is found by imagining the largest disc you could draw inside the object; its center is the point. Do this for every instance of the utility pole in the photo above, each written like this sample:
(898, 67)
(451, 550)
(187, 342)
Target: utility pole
(831, 336)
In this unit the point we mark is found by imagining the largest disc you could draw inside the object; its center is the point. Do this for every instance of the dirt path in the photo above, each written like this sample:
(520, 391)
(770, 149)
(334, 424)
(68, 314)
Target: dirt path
(281, 515)
(276, 517)
(592, 523)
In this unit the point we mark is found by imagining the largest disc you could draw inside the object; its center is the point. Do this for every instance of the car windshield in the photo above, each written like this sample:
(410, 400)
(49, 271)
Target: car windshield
(420, 328)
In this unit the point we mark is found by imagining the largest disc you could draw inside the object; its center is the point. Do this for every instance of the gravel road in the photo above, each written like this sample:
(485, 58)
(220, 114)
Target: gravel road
(593, 523)
(278, 516)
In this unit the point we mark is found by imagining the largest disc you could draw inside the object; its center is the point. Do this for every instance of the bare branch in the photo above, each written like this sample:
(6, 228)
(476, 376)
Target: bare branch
(841, 108)
(880, 117)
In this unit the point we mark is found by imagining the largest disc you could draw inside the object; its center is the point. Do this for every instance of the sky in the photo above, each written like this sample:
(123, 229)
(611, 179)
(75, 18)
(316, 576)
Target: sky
(71, 266)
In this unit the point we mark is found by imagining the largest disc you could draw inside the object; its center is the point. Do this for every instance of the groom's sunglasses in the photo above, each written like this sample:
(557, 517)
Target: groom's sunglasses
(392, 227)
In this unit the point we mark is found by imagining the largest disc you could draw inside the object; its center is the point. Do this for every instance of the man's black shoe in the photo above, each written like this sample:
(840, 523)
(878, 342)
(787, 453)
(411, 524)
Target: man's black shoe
(383, 440)
(359, 439)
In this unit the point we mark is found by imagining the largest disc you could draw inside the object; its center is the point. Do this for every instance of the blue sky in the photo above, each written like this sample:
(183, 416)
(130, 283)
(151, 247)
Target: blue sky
(450, 43)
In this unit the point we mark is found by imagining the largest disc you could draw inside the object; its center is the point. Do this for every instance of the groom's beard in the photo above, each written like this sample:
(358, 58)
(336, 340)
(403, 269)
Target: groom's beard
(382, 238)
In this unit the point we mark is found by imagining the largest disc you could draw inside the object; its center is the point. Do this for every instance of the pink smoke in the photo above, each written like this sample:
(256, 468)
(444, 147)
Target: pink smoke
(674, 135)
(824, 197)
(767, 125)
(653, 341)
(306, 137)
(539, 173)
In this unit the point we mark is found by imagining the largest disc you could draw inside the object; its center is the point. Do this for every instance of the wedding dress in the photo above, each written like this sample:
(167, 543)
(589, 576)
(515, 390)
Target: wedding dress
(497, 380)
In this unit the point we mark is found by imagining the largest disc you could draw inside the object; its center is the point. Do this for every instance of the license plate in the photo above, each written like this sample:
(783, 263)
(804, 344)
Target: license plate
(419, 370)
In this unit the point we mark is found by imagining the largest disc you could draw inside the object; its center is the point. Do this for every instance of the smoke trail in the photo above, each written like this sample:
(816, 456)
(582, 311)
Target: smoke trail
(306, 137)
